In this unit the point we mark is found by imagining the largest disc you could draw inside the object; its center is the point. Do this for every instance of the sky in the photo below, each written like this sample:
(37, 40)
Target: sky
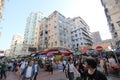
(16, 12)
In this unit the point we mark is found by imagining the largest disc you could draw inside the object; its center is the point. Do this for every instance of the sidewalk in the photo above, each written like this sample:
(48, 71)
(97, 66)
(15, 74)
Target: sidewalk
(11, 76)
(57, 75)
(44, 75)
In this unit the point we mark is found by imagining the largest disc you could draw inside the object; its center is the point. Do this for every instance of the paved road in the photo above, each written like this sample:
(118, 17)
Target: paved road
(57, 75)
(43, 75)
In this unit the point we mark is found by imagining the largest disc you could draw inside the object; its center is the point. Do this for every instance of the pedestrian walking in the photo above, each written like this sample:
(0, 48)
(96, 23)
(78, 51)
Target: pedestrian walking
(14, 66)
(50, 68)
(29, 71)
(4, 69)
(102, 63)
(23, 65)
(92, 73)
(36, 65)
(71, 71)
(64, 65)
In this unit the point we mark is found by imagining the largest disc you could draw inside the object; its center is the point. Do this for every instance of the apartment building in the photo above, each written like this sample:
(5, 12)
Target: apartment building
(2, 2)
(112, 12)
(81, 35)
(17, 45)
(54, 31)
(96, 37)
(42, 35)
(7, 53)
(29, 35)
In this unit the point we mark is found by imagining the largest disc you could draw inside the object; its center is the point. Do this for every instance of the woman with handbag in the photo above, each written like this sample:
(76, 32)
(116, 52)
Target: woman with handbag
(71, 70)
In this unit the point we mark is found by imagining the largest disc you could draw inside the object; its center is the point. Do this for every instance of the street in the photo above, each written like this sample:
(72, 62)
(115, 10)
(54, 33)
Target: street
(43, 75)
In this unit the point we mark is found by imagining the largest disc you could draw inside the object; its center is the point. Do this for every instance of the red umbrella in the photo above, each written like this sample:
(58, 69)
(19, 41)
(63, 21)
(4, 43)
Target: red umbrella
(53, 52)
(84, 51)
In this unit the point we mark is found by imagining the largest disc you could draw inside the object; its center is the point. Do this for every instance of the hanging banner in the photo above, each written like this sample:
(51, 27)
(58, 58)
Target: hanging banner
(58, 57)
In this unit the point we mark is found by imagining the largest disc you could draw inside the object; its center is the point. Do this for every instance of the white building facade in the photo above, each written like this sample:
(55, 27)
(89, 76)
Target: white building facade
(32, 21)
(81, 35)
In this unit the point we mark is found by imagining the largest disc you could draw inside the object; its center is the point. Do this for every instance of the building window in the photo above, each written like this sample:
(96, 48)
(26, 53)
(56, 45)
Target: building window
(52, 44)
(49, 37)
(60, 33)
(46, 26)
(60, 26)
(46, 32)
(73, 45)
(60, 21)
(61, 43)
(82, 22)
(77, 45)
(118, 23)
(54, 26)
(55, 43)
(81, 43)
(64, 34)
(75, 35)
(65, 42)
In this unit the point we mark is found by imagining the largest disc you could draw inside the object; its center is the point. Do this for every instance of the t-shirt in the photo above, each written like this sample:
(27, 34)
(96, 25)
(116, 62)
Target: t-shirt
(36, 70)
(97, 75)
(23, 65)
(28, 72)
(64, 62)
(112, 62)
(71, 67)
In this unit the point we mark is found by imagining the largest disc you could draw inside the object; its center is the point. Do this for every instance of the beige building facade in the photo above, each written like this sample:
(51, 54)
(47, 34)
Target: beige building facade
(7, 53)
(1, 8)
(54, 31)
(17, 45)
(112, 11)
(41, 37)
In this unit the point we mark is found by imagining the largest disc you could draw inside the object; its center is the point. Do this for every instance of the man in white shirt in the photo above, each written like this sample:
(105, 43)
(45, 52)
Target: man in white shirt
(71, 70)
(112, 61)
(29, 71)
(36, 70)
(23, 65)
(64, 65)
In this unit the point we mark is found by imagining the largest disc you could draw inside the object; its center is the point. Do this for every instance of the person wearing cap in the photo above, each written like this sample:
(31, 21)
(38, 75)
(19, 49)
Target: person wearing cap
(92, 73)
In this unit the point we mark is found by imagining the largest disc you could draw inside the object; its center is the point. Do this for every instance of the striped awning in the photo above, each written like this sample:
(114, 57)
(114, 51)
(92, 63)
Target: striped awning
(52, 52)
(64, 51)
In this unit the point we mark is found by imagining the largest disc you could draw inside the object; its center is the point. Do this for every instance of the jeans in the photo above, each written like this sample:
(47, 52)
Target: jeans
(3, 73)
(35, 77)
(71, 76)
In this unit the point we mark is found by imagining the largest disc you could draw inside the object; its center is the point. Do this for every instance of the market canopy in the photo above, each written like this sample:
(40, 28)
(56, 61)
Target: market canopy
(57, 52)
(77, 52)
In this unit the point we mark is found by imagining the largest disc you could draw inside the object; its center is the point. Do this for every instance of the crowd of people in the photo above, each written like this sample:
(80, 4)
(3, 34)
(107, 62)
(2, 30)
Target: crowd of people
(25, 70)
(84, 67)
(80, 67)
